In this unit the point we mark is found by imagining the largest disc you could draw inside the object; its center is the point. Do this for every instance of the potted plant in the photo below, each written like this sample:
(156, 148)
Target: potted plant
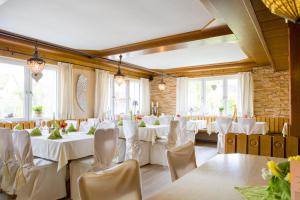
(38, 110)
(221, 110)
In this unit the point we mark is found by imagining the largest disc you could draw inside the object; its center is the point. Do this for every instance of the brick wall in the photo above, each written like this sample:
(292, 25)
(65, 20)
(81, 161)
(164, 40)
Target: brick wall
(271, 93)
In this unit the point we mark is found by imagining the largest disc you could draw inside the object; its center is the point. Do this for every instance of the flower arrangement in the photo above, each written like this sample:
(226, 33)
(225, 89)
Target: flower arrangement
(279, 177)
(38, 110)
(63, 126)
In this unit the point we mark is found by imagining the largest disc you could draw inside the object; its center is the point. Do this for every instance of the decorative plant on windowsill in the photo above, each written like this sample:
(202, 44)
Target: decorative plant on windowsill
(38, 110)
(221, 110)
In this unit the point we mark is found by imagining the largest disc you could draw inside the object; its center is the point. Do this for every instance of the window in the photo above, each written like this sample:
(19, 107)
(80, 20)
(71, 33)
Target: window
(207, 95)
(126, 97)
(19, 92)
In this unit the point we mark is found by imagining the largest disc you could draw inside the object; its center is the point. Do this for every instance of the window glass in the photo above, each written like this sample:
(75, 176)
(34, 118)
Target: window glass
(44, 93)
(232, 95)
(11, 91)
(134, 95)
(195, 96)
(214, 96)
(120, 98)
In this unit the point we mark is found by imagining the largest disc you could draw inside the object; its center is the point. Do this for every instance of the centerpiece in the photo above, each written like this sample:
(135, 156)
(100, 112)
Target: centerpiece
(38, 111)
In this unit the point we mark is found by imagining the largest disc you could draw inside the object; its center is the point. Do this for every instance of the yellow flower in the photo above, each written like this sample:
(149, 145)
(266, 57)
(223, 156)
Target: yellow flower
(288, 177)
(294, 158)
(276, 171)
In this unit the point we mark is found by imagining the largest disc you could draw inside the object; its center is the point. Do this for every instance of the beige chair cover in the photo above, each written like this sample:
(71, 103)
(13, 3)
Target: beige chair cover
(246, 125)
(36, 179)
(223, 125)
(9, 164)
(105, 145)
(295, 179)
(158, 153)
(119, 183)
(181, 160)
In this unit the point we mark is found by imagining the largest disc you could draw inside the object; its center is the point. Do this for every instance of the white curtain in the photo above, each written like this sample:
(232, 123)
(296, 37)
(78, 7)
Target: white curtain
(144, 96)
(66, 92)
(103, 93)
(245, 94)
(182, 96)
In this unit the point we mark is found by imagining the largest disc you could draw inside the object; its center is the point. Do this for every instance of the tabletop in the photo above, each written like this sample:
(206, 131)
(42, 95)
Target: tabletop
(217, 178)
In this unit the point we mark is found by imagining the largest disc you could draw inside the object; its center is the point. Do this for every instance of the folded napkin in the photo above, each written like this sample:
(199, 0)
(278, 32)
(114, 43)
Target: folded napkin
(92, 131)
(36, 132)
(120, 123)
(254, 193)
(142, 124)
(71, 128)
(55, 134)
(156, 122)
(18, 127)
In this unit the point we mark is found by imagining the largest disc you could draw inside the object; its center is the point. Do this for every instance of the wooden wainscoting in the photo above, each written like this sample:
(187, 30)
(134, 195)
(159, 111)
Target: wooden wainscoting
(275, 123)
(265, 145)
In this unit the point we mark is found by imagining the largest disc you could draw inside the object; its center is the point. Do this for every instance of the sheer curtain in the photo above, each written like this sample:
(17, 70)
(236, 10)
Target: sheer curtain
(103, 93)
(182, 106)
(144, 96)
(245, 94)
(66, 92)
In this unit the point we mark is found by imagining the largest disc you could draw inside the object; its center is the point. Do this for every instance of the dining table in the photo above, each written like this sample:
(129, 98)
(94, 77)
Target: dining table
(196, 125)
(217, 178)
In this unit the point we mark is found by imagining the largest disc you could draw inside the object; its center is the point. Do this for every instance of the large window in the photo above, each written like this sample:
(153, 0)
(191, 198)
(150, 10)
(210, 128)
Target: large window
(19, 92)
(207, 95)
(126, 97)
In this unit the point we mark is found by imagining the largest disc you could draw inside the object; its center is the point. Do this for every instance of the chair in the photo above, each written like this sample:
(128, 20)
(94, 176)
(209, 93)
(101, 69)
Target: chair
(135, 149)
(36, 178)
(181, 160)
(185, 135)
(166, 119)
(223, 125)
(106, 124)
(105, 145)
(8, 164)
(74, 122)
(118, 183)
(84, 126)
(158, 149)
(149, 119)
(246, 125)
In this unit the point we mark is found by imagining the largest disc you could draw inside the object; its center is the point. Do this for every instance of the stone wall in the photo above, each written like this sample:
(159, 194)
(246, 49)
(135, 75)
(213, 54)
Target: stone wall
(271, 93)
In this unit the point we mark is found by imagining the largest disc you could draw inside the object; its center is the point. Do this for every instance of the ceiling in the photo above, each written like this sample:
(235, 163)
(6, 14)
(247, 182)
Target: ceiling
(101, 24)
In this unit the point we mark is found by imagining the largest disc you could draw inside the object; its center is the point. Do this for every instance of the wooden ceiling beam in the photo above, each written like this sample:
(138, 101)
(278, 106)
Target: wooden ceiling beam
(166, 41)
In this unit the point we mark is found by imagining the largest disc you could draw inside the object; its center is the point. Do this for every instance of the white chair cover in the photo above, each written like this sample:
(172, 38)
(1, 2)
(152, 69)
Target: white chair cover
(118, 183)
(166, 119)
(132, 139)
(93, 122)
(223, 125)
(84, 126)
(149, 119)
(184, 135)
(36, 179)
(9, 165)
(105, 145)
(74, 122)
(246, 125)
(106, 124)
(158, 153)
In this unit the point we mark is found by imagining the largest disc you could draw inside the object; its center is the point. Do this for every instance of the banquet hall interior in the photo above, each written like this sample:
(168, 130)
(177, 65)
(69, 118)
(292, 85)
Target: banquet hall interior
(158, 100)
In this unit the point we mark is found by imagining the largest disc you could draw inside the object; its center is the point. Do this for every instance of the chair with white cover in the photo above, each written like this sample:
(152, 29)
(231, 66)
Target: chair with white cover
(105, 145)
(246, 125)
(149, 119)
(223, 125)
(93, 122)
(165, 119)
(74, 122)
(36, 179)
(84, 126)
(181, 160)
(119, 182)
(135, 149)
(106, 124)
(185, 135)
(158, 153)
(9, 165)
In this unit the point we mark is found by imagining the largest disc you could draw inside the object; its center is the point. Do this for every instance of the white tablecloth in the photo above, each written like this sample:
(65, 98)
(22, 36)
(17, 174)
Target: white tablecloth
(72, 146)
(150, 132)
(260, 128)
(196, 125)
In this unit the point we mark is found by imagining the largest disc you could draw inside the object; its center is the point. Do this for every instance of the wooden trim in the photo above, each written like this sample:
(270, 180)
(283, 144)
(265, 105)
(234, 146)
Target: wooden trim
(165, 41)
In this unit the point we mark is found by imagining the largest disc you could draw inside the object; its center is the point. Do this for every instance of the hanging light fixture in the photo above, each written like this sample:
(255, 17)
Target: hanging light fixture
(288, 9)
(36, 64)
(162, 84)
(119, 77)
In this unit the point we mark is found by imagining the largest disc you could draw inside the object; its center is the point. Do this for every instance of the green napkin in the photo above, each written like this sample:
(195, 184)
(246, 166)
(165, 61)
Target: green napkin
(56, 125)
(254, 193)
(142, 124)
(120, 123)
(18, 127)
(36, 132)
(71, 128)
(156, 122)
(92, 131)
(55, 134)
